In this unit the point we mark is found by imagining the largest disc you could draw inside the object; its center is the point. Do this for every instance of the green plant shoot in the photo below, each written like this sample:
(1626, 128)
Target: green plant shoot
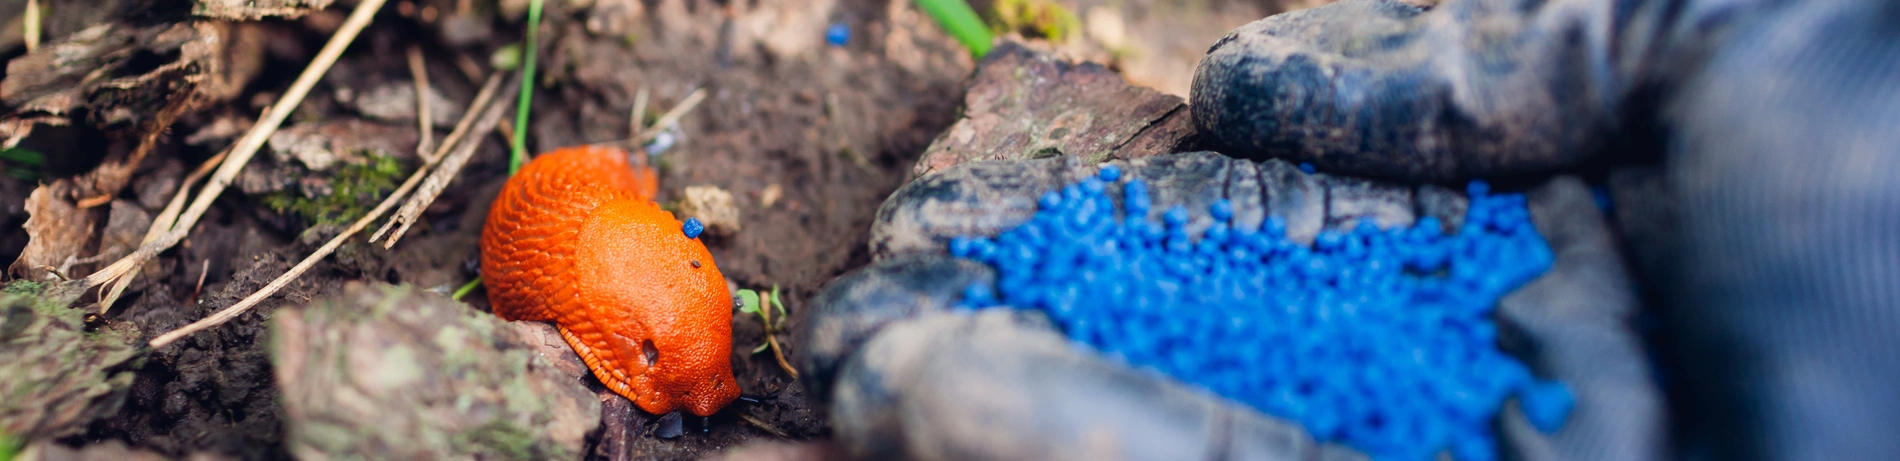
(751, 303)
(961, 22)
(519, 145)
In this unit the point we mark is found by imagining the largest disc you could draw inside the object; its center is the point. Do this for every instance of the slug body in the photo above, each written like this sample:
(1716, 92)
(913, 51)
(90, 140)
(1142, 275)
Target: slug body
(575, 239)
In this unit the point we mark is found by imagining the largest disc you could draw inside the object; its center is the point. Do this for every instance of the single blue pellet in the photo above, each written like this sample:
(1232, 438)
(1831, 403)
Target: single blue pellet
(1109, 173)
(960, 247)
(1547, 404)
(1222, 210)
(838, 34)
(1477, 189)
(978, 294)
(692, 228)
(1308, 168)
(1176, 216)
(1050, 199)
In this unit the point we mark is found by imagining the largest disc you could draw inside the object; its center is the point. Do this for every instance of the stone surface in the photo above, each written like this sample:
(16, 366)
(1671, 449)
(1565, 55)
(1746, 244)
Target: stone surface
(59, 376)
(251, 10)
(387, 372)
(713, 206)
(981, 198)
(1023, 104)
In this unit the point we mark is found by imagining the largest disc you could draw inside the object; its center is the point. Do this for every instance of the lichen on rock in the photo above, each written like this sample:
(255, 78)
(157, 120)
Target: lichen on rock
(59, 375)
(389, 372)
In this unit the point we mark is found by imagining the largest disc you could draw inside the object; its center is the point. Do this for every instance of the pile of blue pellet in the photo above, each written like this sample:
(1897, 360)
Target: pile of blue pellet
(1381, 339)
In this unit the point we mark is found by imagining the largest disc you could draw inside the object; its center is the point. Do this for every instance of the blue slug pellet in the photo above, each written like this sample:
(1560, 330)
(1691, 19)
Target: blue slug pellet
(692, 228)
(1380, 339)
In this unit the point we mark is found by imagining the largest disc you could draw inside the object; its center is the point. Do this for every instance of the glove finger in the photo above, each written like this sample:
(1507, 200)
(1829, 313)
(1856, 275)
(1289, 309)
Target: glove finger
(854, 306)
(1383, 88)
(999, 385)
(983, 198)
(1572, 324)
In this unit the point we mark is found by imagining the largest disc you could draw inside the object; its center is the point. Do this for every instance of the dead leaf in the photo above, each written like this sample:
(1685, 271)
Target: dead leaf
(57, 230)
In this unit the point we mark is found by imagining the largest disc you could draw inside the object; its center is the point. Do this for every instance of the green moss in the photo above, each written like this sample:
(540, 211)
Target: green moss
(24, 288)
(1034, 18)
(355, 190)
(498, 438)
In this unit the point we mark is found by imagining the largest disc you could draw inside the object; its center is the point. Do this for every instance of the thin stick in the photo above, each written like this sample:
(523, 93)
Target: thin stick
(780, 354)
(203, 270)
(32, 25)
(672, 116)
(639, 113)
(439, 179)
(771, 330)
(468, 67)
(425, 121)
(90, 202)
(159, 225)
(489, 118)
(246, 146)
(461, 128)
(762, 425)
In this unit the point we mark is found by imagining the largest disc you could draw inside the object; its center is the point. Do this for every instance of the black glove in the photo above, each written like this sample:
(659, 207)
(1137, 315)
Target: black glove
(1777, 274)
(989, 388)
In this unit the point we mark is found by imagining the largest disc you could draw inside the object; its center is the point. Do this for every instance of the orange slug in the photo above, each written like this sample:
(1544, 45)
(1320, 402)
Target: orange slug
(575, 239)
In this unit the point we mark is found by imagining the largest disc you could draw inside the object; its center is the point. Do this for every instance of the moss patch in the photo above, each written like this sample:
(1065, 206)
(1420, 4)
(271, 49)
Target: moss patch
(354, 190)
(1034, 18)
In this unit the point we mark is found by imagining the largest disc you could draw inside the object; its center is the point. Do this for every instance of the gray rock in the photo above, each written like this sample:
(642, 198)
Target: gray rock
(1349, 199)
(1022, 104)
(393, 102)
(58, 376)
(389, 372)
(984, 198)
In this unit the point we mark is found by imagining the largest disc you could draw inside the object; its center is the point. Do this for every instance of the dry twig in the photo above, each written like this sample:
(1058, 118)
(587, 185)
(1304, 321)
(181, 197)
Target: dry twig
(412, 210)
(762, 425)
(639, 113)
(489, 118)
(124, 269)
(424, 120)
(203, 270)
(31, 26)
(672, 116)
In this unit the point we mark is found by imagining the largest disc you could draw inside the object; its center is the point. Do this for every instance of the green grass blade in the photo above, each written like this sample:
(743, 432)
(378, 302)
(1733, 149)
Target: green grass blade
(520, 144)
(466, 289)
(961, 22)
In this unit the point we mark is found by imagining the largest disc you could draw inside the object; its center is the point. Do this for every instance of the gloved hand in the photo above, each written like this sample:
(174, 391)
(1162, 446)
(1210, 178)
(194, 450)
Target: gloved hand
(1770, 236)
(907, 381)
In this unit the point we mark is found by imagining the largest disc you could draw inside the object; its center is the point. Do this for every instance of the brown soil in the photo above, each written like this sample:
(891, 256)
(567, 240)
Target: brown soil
(830, 130)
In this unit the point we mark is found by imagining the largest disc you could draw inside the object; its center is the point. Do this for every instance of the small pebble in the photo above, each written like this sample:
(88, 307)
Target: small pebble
(671, 426)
